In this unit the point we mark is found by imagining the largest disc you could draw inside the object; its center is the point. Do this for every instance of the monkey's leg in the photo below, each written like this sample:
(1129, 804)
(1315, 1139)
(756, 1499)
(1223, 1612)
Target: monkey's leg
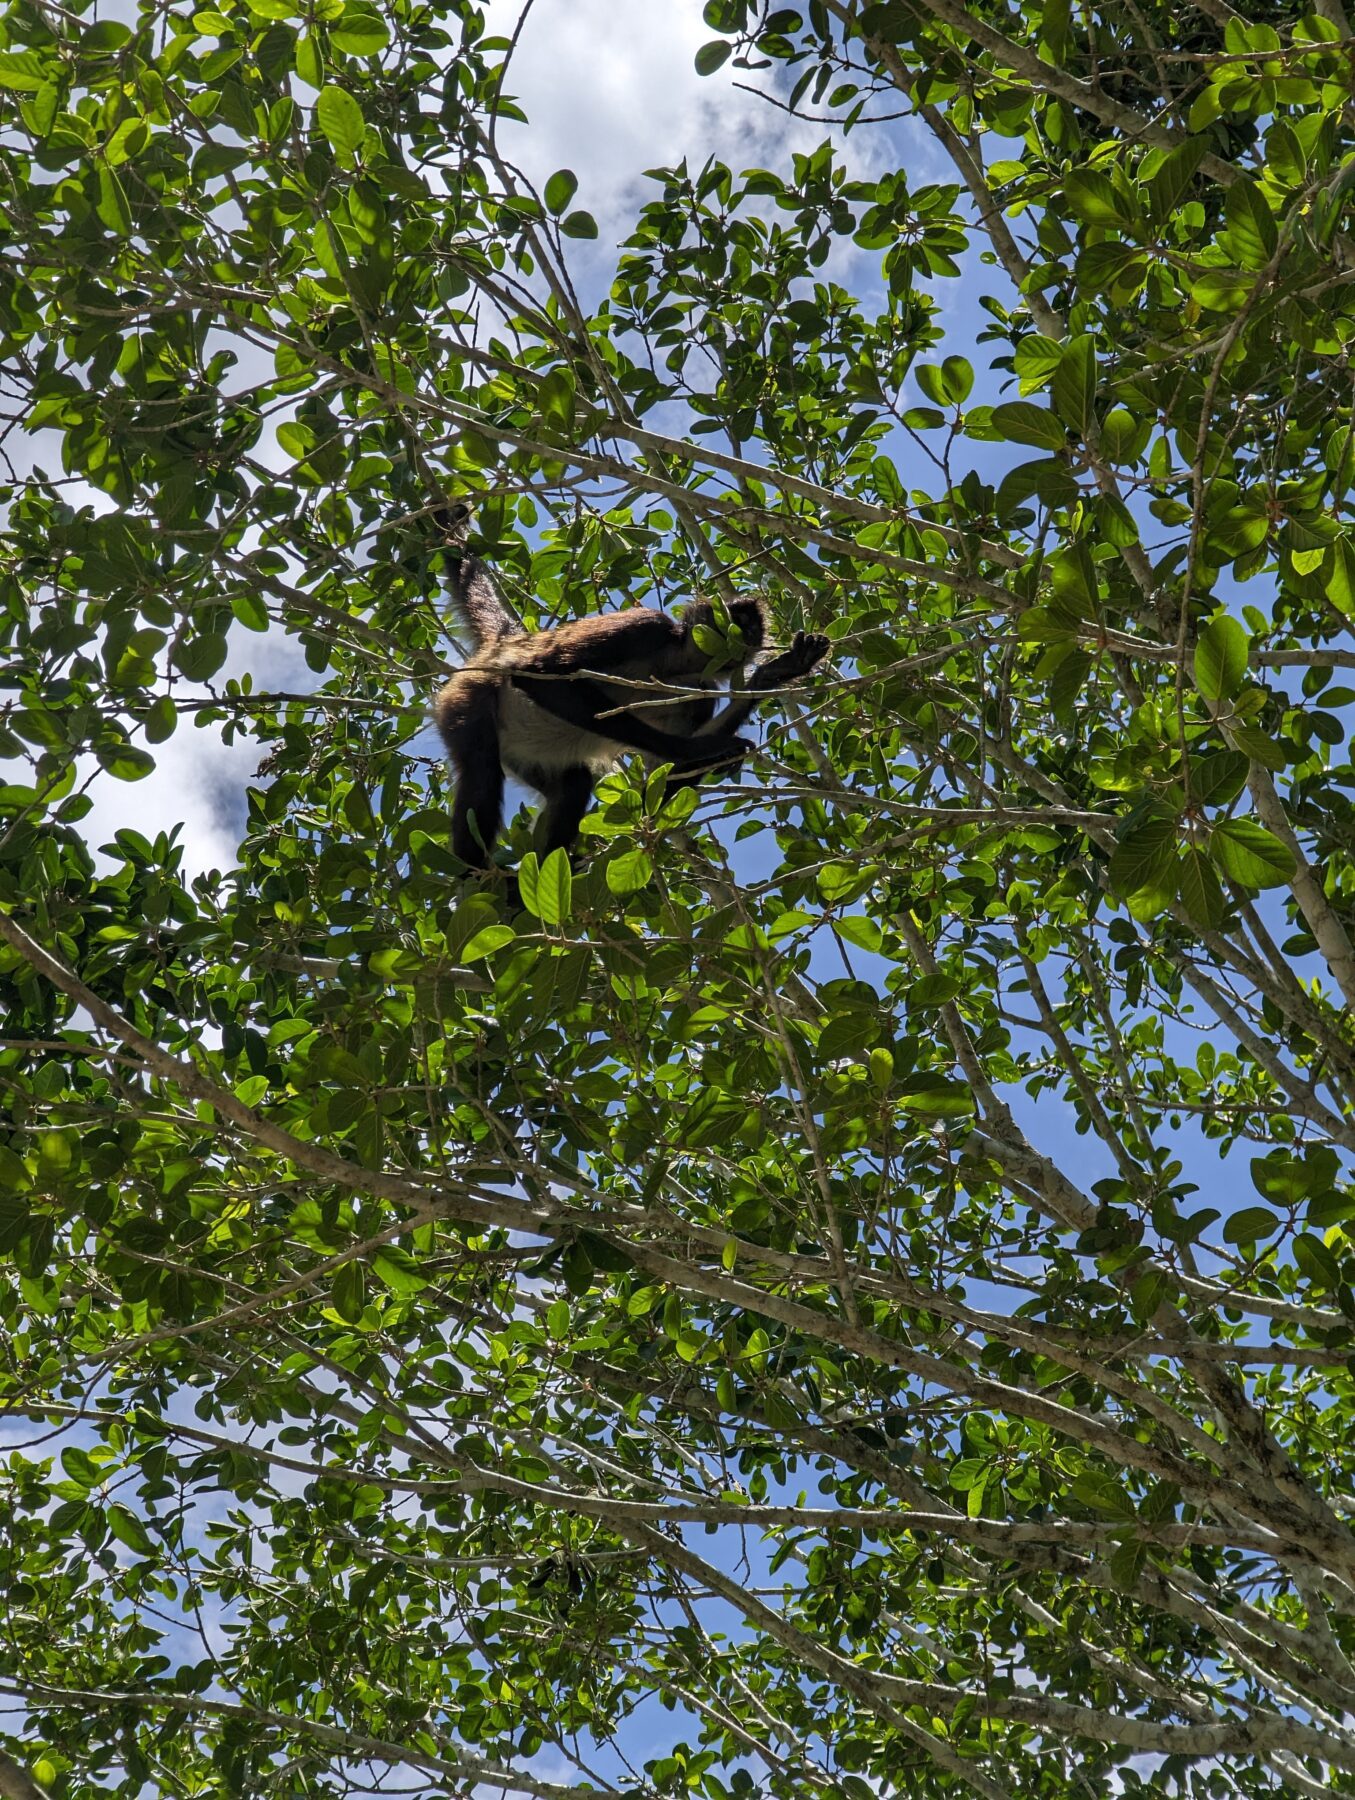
(567, 799)
(477, 813)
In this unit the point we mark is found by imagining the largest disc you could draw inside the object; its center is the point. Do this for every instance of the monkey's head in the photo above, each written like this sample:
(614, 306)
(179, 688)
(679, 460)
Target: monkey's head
(706, 625)
(452, 519)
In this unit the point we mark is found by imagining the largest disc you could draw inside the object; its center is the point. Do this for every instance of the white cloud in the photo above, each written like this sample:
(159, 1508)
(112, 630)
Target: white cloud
(198, 782)
(610, 90)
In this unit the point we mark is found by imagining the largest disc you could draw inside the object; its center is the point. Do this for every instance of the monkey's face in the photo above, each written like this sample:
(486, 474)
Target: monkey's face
(751, 621)
(726, 636)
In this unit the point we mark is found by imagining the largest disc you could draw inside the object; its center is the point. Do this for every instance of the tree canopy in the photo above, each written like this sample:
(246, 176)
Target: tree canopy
(849, 1291)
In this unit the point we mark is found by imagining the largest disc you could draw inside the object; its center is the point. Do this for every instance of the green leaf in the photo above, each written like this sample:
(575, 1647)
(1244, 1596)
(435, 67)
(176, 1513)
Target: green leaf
(357, 809)
(348, 1291)
(1249, 855)
(1021, 422)
(1250, 1225)
(1074, 386)
(1283, 1180)
(1144, 858)
(113, 210)
(22, 71)
(1102, 1494)
(579, 225)
(398, 1270)
(554, 889)
(1329, 1209)
(1122, 435)
(577, 1269)
(1115, 522)
(340, 118)
(840, 883)
(947, 384)
(39, 113)
(1199, 889)
(1257, 747)
(1339, 582)
(529, 883)
(1217, 780)
(309, 61)
(1221, 658)
(936, 1097)
(862, 932)
(934, 990)
(1251, 235)
(1174, 177)
(1068, 681)
(125, 762)
(360, 32)
(129, 1530)
(674, 813)
(713, 56)
(80, 1467)
(485, 942)
(555, 396)
(14, 1175)
(560, 190)
(199, 658)
(127, 141)
(250, 610)
(1036, 360)
(958, 372)
(629, 872)
(1050, 480)
(1094, 198)
(1317, 1261)
(1148, 1292)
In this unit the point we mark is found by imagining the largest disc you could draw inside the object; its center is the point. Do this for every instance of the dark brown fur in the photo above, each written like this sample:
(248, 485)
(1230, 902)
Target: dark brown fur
(558, 708)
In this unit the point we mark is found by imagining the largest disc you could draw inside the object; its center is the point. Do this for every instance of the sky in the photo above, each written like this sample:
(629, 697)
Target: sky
(610, 90)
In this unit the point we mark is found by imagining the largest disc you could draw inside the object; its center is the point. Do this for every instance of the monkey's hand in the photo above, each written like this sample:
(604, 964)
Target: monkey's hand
(807, 649)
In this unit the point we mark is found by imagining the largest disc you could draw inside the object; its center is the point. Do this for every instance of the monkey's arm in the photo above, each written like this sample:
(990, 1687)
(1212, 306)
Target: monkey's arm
(807, 650)
(592, 707)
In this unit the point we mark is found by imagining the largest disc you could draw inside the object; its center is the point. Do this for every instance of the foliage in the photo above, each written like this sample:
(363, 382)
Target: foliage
(763, 1277)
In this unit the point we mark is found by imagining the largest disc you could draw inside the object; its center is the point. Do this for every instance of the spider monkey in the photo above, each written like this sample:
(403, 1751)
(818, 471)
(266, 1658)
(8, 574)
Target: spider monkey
(557, 708)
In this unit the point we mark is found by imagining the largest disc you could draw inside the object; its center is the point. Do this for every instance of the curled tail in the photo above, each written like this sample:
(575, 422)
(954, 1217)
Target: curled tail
(477, 603)
(479, 608)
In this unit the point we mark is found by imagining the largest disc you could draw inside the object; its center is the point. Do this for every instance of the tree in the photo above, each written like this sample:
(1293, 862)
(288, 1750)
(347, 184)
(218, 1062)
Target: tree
(782, 1312)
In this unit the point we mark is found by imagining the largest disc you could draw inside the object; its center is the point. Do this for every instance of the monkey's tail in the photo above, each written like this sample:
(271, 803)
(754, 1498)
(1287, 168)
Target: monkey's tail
(480, 610)
(477, 602)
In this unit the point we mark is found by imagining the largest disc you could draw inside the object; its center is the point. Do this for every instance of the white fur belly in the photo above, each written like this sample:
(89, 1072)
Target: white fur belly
(531, 739)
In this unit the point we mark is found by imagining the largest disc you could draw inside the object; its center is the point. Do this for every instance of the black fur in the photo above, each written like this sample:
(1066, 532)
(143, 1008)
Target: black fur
(617, 681)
